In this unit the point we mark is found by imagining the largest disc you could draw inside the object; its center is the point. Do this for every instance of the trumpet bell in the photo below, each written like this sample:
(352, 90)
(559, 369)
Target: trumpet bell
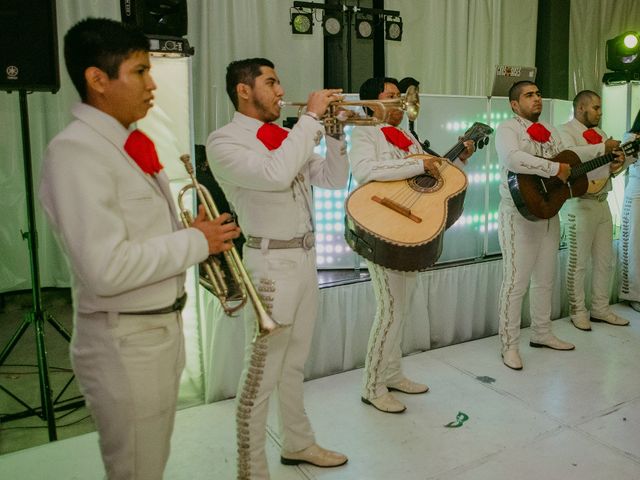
(223, 274)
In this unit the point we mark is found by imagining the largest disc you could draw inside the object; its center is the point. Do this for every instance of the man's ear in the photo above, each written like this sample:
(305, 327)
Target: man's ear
(96, 79)
(243, 90)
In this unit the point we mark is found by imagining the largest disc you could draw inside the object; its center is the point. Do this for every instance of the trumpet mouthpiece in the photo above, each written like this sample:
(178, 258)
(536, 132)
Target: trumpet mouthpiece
(186, 159)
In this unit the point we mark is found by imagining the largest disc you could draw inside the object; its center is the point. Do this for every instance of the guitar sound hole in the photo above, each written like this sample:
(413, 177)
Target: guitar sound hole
(424, 183)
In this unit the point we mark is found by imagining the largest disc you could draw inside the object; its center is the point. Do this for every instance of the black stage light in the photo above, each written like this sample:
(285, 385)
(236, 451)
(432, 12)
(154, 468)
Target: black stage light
(301, 22)
(623, 52)
(156, 17)
(364, 26)
(393, 28)
(332, 24)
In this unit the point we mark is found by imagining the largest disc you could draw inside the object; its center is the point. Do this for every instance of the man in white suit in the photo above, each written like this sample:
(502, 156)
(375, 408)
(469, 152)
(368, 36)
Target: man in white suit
(382, 153)
(529, 247)
(589, 222)
(266, 173)
(110, 205)
(629, 282)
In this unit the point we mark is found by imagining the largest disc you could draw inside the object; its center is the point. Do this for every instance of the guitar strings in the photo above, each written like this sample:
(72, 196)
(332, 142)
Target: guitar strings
(407, 196)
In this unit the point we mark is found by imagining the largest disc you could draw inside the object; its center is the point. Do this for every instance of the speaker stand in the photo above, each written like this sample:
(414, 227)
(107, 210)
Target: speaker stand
(37, 316)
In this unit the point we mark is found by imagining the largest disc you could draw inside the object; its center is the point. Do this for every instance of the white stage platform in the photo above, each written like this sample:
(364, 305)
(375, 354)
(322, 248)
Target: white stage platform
(567, 415)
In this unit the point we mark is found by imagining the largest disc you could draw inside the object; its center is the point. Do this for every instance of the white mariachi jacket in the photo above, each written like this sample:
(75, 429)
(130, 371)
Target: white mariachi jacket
(261, 184)
(117, 225)
(518, 153)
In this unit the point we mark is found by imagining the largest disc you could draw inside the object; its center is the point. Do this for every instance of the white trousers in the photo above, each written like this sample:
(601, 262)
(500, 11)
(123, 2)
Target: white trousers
(128, 368)
(393, 291)
(629, 285)
(529, 253)
(287, 281)
(590, 237)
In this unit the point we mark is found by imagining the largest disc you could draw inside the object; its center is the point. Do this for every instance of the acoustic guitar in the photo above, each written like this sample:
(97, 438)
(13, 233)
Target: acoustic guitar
(538, 198)
(596, 186)
(400, 224)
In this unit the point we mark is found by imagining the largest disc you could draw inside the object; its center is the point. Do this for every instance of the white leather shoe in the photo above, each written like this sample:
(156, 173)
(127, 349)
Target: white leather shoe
(407, 386)
(610, 318)
(314, 455)
(386, 403)
(581, 323)
(551, 341)
(511, 358)
(635, 305)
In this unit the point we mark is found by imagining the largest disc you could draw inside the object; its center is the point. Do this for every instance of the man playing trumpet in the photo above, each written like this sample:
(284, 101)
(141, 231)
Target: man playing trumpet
(266, 173)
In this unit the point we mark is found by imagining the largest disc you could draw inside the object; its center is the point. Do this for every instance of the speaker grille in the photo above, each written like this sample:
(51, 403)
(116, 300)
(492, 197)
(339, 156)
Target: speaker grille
(28, 46)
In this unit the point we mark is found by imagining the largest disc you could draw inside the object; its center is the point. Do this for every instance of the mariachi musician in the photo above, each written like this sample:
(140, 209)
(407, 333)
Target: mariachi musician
(529, 248)
(378, 153)
(589, 221)
(629, 286)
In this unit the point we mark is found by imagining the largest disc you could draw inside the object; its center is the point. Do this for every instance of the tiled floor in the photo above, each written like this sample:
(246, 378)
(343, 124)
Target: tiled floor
(567, 415)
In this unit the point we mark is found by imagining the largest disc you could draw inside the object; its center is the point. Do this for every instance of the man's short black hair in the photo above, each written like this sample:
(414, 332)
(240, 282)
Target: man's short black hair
(516, 89)
(373, 87)
(244, 71)
(101, 43)
(583, 96)
(407, 82)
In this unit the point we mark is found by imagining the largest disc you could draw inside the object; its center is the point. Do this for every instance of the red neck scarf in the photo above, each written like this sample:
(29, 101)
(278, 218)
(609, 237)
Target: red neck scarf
(591, 136)
(271, 135)
(397, 137)
(539, 133)
(143, 151)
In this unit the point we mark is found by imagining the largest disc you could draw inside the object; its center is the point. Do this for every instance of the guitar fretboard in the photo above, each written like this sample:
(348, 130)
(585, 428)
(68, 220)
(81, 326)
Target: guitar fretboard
(629, 148)
(586, 167)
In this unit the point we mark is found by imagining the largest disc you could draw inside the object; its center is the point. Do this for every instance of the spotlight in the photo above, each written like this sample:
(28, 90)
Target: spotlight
(364, 26)
(622, 52)
(393, 28)
(332, 24)
(301, 22)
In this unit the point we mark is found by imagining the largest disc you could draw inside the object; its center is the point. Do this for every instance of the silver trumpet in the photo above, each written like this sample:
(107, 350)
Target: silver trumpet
(335, 118)
(224, 274)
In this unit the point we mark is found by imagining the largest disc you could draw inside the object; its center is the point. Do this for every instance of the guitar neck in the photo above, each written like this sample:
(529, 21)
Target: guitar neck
(456, 150)
(586, 167)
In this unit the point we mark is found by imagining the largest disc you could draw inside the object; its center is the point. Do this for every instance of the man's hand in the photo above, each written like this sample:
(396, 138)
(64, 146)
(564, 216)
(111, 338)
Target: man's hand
(610, 145)
(219, 232)
(431, 165)
(617, 162)
(319, 101)
(470, 147)
(563, 172)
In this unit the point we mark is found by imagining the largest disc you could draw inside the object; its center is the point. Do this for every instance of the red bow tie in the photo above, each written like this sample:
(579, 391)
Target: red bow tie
(592, 137)
(271, 135)
(143, 151)
(539, 133)
(397, 137)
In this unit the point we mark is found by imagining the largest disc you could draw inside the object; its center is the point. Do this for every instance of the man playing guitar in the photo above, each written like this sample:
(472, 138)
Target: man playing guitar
(589, 222)
(529, 248)
(382, 153)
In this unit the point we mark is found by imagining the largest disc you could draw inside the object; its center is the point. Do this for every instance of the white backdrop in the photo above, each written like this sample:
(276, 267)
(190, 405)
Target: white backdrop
(453, 46)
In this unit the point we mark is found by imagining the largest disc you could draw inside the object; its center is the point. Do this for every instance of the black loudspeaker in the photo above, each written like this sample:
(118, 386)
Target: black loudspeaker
(156, 17)
(205, 177)
(29, 46)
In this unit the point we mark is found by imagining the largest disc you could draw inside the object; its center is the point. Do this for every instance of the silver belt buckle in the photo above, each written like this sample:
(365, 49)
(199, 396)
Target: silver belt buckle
(308, 240)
